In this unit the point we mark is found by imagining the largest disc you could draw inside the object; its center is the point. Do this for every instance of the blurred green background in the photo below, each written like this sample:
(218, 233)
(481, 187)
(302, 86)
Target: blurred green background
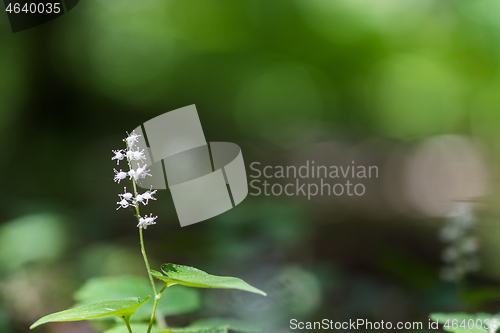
(410, 86)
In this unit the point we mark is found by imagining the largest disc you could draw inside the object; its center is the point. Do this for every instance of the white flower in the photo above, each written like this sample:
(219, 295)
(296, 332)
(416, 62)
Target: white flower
(469, 245)
(139, 198)
(141, 172)
(119, 175)
(148, 195)
(463, 215)
(132, 138)
(123, 204)
(119, 155)
(147, 220)
(136, 155)
(126, 195)
(145, 197)
(451, 232)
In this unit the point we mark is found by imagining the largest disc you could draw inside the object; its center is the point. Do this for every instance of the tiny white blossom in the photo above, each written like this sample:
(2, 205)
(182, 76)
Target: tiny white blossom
(145, 197)
(131, 174)
(123, 204)
(469, 245)
(119, 175)
(132, 138)
(119, 155)
(126, 195)
(145, 221)
(139, 199)
(136, 155)
(451, 232)
(148, 195)
(463, 215)
(141, 172)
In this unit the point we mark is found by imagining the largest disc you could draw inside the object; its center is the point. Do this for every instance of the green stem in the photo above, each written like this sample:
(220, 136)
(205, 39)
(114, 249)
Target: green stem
(128, 325)
(146, 262)
(157, 298)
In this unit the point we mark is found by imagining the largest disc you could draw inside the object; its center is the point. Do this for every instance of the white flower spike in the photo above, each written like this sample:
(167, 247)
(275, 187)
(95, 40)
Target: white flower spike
(119, 175)
(119, 155)
(128, 199)
(145, 221)
(132, 139)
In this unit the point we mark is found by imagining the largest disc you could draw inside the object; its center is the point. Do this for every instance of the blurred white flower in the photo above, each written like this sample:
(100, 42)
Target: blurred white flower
(463, 215)
(469, 245)
(450, 233)
(460, 253)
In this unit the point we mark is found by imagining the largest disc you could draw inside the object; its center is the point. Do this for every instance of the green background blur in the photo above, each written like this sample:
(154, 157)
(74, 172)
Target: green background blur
(378, 79)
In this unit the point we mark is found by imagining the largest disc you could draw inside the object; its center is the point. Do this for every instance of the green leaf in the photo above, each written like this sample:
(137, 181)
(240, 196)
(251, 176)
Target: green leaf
(174, 301)
(193, 277)
(135, 328)
(231, 324)
(463, 319)
(123, 308)
(32, 238)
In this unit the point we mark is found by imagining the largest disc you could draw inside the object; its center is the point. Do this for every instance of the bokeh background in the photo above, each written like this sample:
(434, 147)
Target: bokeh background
(410, 86)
